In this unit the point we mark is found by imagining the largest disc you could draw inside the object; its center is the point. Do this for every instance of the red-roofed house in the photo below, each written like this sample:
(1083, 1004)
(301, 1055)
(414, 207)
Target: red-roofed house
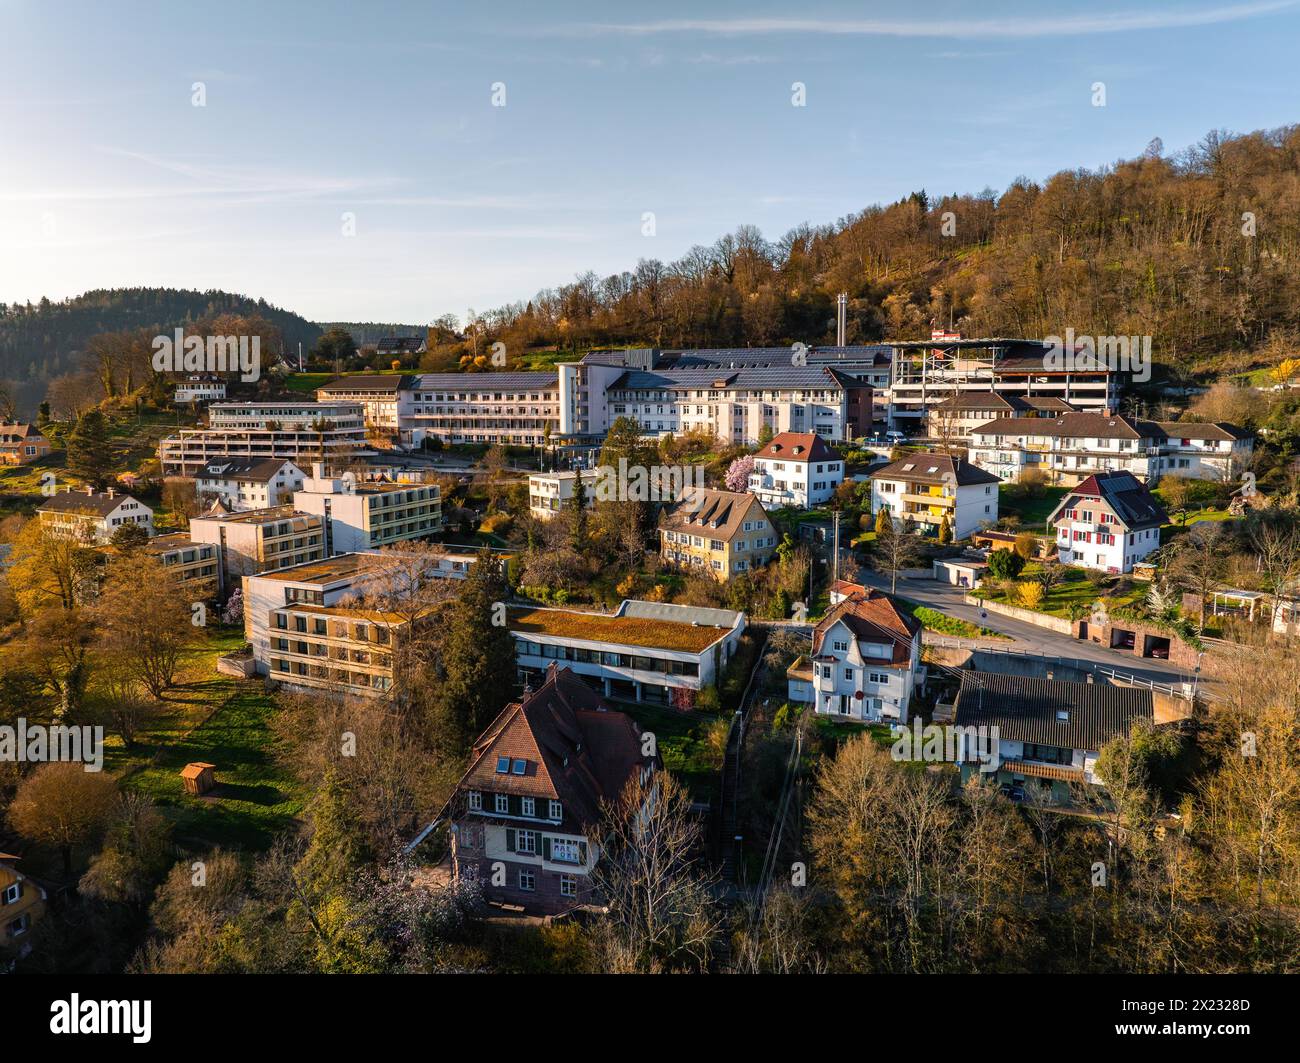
(866, 657)
(522, 813)
(796, 469)
(1108, 522)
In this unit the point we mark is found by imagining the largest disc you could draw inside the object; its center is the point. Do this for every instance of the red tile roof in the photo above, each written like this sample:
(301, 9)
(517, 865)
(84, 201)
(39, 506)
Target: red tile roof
(798, 446)
(873, 617)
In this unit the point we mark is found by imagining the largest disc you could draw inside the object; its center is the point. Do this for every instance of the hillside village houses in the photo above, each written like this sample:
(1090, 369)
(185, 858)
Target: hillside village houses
(243, 483)
(300, 432)
(525, 811)
(367, 515)
(644, 651)
(1108, 522)
(1049, 732)
(1073, 446)
(21, 443)
(796, 469)
(925, 488)
(92, 516)
(724, 533)
(865, 662)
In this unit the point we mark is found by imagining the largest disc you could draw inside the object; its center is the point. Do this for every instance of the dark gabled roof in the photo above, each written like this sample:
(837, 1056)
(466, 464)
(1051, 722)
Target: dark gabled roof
(261, 471)
(1198, 430)
(996, 400)
(485, 382)
(383, 382)
(946, 470)
(872, 617)
(578, 750)
(1025, 709)
(1073, 426)
(100, 505)
(705, 511)
(1132, 500)
(798, 446)
(11, 432)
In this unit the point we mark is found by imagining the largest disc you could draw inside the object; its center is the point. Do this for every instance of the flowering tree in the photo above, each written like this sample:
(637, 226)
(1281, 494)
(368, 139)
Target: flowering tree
(234, 610)
(738, 471)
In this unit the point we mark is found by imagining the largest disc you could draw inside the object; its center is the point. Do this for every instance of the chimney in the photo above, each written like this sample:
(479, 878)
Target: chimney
(90, 489)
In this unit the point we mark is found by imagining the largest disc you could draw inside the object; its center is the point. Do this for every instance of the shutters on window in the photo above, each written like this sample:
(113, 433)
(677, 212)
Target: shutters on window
(546, 848)
(510, 839)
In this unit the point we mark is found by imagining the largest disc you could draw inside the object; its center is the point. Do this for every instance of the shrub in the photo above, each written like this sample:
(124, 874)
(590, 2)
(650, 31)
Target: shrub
(496, 524)
(1006, 564)
(1030, 594)
(1026, 545)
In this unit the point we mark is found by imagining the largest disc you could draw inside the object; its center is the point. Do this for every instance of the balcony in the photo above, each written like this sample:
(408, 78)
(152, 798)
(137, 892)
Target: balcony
(929, 500)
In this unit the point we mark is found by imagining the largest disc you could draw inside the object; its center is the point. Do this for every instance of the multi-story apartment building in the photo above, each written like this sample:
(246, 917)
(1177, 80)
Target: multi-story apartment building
(260, 540)
(196, 565)
(549, 493)
(386, 398)
(242, 483)
(519, 409)
(307, 633)
(21, 443)
(953, 419)
(645, 651)
(22, 904)
(927, 372)
(91, 516)
(524, 812)
(1108, 522)
(926, 488)
(723, 533)
(298, 431)
(199, 387)
(865, 663)
(796, 469)
(367, 515)
(1073, 446)
(1048, 732)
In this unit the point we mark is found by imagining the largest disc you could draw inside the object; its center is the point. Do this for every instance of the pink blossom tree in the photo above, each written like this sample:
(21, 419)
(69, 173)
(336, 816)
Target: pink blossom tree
(737, 478)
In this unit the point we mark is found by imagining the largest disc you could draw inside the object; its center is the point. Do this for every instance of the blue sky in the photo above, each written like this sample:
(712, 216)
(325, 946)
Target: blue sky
(110, 177)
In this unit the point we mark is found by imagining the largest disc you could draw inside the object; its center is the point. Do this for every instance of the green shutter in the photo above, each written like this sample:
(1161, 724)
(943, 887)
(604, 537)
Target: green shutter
(510, 839)
(582, 852)
(546, 848)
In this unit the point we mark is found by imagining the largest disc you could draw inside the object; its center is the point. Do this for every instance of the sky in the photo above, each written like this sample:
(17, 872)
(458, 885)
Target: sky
(352, 162)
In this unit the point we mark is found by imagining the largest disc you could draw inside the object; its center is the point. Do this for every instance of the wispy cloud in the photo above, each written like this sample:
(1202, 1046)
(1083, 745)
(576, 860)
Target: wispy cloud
(962, 29)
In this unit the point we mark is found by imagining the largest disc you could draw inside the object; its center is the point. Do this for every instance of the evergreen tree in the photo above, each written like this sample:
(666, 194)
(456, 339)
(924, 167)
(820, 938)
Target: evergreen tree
(479, 657)
(578, 514)
(945, 530)
(338, 847)
(88, 455)
(884, 522)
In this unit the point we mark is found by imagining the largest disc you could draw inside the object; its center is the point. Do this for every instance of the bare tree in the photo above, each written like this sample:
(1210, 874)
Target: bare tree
(894, 549)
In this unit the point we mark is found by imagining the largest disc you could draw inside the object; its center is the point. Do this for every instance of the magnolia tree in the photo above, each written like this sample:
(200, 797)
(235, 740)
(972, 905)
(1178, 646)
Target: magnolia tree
(233, 613)
(738, 471)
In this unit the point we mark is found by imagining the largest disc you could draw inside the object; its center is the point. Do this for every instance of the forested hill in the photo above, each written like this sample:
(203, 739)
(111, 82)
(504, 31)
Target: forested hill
(41, 341)
(1199, 249)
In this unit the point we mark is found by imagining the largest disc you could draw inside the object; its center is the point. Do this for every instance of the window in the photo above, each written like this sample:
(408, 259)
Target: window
(529, 806)
(12, 893)
(503, 765)
(20, 925)
(566, 851)
(475, 801)
(554, 810)
(848, 675)
(501, 803)
(518, 767)
(527, 881)
(568, 885)
(526, 841)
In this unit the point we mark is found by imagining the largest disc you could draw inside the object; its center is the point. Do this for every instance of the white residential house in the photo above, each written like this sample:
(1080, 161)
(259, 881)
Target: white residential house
(1073, 446)
(244, 484)
(199, 388)
(796, 469)
(549, 493)
(1108, 522)
(865, 663)
(925, 488)
(91, 516)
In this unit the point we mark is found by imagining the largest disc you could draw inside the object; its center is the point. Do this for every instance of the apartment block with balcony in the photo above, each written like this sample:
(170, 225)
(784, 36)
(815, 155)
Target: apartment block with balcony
(386, 399)
(92, 516)
(295, 431)
(865, 662)
(1109, 522)
(796, 470)
(196, 565)
(524, 813)
(1074, 446)
(644, 651)
(721, 533)
(1048, 733)
(307, 633)
(925, 488)
(260, 540)
(367, 515)
(549, 493)
(957, 416)
(517, 409)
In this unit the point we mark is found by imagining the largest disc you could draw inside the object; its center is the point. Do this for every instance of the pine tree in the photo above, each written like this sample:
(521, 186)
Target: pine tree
(945, 530)
(884, 522)
(578, 514)
(88, 455)
(479, 658)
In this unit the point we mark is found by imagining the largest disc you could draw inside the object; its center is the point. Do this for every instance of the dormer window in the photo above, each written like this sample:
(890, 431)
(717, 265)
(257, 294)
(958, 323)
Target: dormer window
(503, 765)
(518, 767)
(1063, 715)
(554, 810)
(475, 800)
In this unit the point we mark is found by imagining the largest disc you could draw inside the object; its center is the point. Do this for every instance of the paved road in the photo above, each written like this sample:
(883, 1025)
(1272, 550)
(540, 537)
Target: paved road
(948, 599)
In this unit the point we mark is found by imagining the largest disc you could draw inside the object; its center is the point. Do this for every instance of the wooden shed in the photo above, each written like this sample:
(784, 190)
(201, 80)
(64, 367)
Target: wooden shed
(198, 777)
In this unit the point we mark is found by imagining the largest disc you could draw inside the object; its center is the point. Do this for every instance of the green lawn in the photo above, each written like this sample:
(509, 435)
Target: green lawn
(1031, 511)
(681, 738)
(1074, 590)
(255, 798)
(933, 620)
